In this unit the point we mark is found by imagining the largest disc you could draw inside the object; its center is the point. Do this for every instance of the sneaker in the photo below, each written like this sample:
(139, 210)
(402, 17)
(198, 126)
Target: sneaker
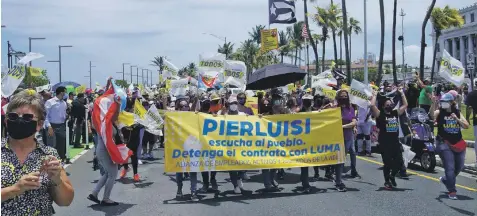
(354, 174)
(442, 180)
(123, 173)
(369, 154)
(179, 193)
(275, 183)
(403, 175)
(388, 186)
(240, 184)
(341, 187)
(139, 162)
(307, 189)
(393, 181)
(237, 190)
(204, 189)
(452, 195)
(194, 197)
(136, 178)
(246, 177)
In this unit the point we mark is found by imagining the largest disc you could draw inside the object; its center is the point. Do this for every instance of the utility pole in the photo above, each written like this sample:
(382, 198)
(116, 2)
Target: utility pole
(131, 73)
(150, 71)
(90, 66)
(365, 44)
(123, 69)
(401, 38)
(59, 58)
(29, 43)
(147, 77)
(137, 75)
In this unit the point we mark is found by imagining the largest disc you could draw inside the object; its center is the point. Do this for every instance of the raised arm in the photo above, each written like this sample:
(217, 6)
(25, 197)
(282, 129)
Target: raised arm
(404, 105)
(375, 111)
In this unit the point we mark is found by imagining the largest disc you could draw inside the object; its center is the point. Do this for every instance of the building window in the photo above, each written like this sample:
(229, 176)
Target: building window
(472, 19)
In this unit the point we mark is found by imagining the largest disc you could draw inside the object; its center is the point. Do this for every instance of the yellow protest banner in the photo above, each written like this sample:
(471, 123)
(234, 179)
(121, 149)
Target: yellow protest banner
(329, 93)
(291, 87)
(126, 118)
(139, 109)
(201, 142)
(269, 39)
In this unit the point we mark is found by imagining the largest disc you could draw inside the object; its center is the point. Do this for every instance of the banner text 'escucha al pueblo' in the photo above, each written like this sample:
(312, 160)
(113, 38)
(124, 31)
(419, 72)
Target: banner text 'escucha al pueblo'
(201, 142)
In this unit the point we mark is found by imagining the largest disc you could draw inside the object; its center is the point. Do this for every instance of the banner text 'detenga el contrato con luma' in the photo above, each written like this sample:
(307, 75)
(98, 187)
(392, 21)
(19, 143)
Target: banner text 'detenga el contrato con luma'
(202, 142)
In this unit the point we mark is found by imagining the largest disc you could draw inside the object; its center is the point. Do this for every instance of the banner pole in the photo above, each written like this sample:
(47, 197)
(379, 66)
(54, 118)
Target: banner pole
(67, 143)
(86, 127)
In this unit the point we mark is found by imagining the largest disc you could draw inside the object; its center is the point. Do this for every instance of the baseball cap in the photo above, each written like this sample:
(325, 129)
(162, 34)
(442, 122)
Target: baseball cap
(214, 96)
(447, 97)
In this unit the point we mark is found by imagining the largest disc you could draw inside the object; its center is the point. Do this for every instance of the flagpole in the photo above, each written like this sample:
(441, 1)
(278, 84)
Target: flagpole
(365, 45)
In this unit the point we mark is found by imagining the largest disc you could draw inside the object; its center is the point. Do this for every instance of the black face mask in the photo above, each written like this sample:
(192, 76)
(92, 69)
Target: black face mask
(241, 101)
(343, 101)
(307, 103)
(388, 108)
(205, 106)
(20, 129)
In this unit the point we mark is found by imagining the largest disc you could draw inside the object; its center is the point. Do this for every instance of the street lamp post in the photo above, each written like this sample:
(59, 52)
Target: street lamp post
(131, 73)
(123, 68)
(59, 57)
(137, 75)
(142, 76)
(220, 38)
(150, 71)
(29, 43)
(90, 66)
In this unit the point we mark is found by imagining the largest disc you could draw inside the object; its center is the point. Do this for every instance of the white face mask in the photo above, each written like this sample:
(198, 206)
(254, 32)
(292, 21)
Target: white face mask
(183, 103)
(233, 107)
(445, 105)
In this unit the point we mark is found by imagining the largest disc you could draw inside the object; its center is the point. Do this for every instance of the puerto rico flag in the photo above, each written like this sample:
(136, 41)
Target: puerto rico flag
(105, 107)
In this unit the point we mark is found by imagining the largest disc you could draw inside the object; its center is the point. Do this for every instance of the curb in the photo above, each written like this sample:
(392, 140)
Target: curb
(72, 160)
(470, 144)
(468, 168)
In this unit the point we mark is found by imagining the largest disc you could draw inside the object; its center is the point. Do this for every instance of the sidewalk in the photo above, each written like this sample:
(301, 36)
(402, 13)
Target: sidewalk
(470, 165)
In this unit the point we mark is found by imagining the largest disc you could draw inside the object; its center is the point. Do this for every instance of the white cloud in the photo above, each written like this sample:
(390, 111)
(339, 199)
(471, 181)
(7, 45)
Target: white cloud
(110, 32)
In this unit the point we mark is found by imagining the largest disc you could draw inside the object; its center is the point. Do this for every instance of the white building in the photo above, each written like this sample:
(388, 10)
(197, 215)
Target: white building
(460, 41)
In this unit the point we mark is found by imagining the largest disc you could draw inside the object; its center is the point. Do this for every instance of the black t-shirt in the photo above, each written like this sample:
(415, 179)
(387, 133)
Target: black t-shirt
(449, 128)
(388, 128)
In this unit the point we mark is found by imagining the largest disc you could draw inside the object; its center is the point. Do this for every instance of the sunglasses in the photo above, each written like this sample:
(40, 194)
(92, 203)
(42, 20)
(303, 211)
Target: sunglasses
(26, 117)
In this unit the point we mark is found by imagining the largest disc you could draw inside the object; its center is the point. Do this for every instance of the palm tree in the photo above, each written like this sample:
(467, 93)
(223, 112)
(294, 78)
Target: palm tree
(353, 28)
(443, 19)
(249, 51)
(394, 43)
(423, 38)
(159, 62)
(192, 69)
(294, 35)
(334, 20)
(226, 49)
(256, 33)
(283, 45)
(310, 37)
(345, 31)
(322, 20)
(381, 50)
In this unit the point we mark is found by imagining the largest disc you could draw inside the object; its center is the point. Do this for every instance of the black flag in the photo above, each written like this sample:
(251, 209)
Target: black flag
(281, 11)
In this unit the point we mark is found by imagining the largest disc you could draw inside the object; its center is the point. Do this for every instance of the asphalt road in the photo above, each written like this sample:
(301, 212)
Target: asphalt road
(155, 195)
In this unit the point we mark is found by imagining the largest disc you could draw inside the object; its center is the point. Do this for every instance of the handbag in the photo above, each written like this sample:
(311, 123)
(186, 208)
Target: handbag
(458, 147)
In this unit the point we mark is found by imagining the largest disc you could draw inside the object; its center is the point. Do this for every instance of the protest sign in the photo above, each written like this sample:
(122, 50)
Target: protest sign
(451, 69)
(153, 121)
(323, 78)
(269, 39)
(179, 87)
(360, 93)
(201, 142)
(15, 75)
(234, 73)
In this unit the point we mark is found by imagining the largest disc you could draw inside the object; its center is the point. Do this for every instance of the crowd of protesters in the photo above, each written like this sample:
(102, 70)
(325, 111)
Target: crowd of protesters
(34, 130)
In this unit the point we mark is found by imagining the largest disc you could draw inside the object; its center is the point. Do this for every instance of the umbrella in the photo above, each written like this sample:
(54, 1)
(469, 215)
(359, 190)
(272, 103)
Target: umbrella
(272, 76)
(65, 84)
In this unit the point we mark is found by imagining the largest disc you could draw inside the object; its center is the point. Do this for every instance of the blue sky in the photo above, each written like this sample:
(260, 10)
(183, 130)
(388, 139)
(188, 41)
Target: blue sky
(110, 32)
